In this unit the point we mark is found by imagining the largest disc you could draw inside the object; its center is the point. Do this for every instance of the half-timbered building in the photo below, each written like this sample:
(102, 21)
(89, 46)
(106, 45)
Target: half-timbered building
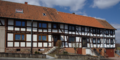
(26, 27)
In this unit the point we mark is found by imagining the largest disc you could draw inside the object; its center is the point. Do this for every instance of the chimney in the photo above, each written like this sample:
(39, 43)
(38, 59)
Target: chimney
(73, 13)
(26, 2)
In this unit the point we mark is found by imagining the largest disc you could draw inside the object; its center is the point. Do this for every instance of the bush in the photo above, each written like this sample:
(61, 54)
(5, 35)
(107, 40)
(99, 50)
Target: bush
(65, 52)
(37, 52)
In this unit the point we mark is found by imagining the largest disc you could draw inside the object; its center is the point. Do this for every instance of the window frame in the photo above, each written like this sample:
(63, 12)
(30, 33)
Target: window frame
(41, 37)
(95, 40)
(82, 29)
(73, 37)
(41, 25)
(112, 32)
(71, 28)
(98, 32)
(112, 42)
(56, 25)
(99, 40)
(20, 35)
(21, 23)
(107, 41)
(94, 32)
(106, 32)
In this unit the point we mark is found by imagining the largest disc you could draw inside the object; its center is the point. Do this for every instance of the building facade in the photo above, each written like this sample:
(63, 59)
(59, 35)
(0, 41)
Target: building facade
(23, 26)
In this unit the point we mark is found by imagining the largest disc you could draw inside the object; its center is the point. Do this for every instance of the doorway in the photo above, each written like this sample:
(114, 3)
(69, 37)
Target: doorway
(84, 42)
(55, 38)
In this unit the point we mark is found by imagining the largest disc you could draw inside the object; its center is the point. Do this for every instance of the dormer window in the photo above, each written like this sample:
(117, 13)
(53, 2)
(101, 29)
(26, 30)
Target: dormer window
(44, 14)
(19, 10)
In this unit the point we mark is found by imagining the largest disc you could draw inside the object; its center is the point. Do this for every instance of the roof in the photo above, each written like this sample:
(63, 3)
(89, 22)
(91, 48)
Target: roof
(31, 12)
(106, 24)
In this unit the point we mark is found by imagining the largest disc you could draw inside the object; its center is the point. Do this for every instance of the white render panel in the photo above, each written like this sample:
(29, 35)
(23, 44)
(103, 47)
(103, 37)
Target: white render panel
(28, 23)
(66, 26)
(45, 44)
(3, 21)
(39, 44)
(34, 44)
(49, 25)
(10, 37)
(80, 39)
(17, 29)
(66, 31)
(10, 44)
(88, 45)
(34, 37)
(40, 30)
(62, 37)
(54, 30)
(22, 29)
(77, 39)
(28, 44)
(70, 45)
(49, 30)
(49, 37)
(62, 44)
(34, 24)
(66, 37)
(61, 26)
(80, 45)
(35, 29)
(22, 44)
(44, 30)
(60, 31)
(50, 45)
(10, 22)
(10, 27)
(73, 32)
(105, 45)
(28, 29)
(66, 44)
(28, 37)
(16, 44)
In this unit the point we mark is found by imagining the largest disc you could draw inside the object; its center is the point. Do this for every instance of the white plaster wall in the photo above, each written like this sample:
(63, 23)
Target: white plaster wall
(16, 44)
(39, 44)
(40, 30)
(66, 37)
(28, 29)
(88, 45)
(10, 27)
(17, 29)
(22, 44)
(34, 44)
(28, 37)
(10, 44)
(49, 25)
(66, 31)
(50, 44)
(80, 45)
(35, 29)
(10, 22)
(62, 38)
(34, 37)
(77, 39)
(28, 23)
(34, 24)
(53, 30)
(60, 31)
(49, 38)
(44, 30)
(28, 44)
(70, 45)
(22, 29)
(66, 44)
(10, 37)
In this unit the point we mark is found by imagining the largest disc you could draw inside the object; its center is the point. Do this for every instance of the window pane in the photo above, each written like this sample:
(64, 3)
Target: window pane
(43, 38)
(40, 25)
(94, 40)
(18, 23)
(70, 28)
(73, 28)
(22, 37)
(17, 37)
(71, 39)
(23, 23)
(98, 40)
(54, 26)
(44, 25)
(39, 37)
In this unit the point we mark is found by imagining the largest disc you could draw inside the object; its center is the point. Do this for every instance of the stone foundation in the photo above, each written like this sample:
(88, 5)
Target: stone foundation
(26, 50)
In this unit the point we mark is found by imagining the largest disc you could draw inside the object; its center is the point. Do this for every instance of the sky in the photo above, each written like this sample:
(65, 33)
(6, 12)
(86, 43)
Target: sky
(108, 10)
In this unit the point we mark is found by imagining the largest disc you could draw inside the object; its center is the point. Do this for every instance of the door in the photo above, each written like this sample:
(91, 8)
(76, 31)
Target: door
(110, 52)
(55, 38)
(79, 51)
(84, 42)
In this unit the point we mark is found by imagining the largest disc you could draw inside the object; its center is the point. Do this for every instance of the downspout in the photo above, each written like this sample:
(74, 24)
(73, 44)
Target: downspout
(31, 35)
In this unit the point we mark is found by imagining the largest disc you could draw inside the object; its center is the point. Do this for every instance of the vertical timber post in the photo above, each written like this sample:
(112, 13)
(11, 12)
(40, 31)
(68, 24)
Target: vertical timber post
(31, 35)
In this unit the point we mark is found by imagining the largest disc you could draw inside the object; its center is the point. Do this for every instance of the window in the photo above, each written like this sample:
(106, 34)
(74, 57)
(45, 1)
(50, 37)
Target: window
(94, 40)
(98, 40)
(94, 31)
(19, 10)
(71, 28)
(98, 31)
(44, 14)
(83, 29)
(88, 40)
(19, 23)
(111, 32)
(107, 32)
(111, 41)
(107, 41)
(54, 26)
(42, 37)
(71, 39)
(17, 49)
(42, 25)
(19, 37)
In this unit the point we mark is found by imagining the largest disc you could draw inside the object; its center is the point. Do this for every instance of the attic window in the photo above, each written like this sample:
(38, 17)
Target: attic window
(44, 14)
(19, 10)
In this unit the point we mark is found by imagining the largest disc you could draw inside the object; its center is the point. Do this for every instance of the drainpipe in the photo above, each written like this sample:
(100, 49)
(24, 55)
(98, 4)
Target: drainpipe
(31, 35)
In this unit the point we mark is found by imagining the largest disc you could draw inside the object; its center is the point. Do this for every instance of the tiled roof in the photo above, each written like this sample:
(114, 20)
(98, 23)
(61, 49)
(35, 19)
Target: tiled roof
(31, 12)
(106, 24)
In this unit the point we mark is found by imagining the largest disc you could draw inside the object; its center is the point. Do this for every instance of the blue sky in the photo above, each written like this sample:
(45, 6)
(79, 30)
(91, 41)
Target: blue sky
(102, 9)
